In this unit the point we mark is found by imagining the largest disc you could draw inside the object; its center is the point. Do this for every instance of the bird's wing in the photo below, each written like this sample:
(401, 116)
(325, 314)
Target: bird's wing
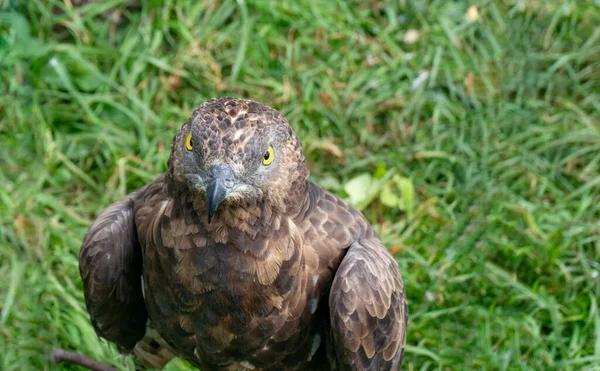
(110, 264)
(368, 309)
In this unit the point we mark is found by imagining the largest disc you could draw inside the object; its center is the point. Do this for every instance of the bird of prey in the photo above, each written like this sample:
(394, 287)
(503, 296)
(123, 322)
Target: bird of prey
(233, 260)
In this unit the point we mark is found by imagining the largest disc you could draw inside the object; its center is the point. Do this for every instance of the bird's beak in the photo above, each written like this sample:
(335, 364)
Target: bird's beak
(220, 183)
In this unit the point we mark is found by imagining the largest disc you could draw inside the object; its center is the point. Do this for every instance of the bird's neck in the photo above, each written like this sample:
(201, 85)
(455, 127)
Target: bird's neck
(252, 218)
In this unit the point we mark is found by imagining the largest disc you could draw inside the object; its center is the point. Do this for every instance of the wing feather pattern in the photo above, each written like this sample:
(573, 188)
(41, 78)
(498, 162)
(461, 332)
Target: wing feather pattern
(110, 264)
(368, 309)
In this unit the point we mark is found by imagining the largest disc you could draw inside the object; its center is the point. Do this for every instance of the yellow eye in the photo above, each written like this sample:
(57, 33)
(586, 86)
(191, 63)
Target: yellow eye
(188, 142)
(269, 156)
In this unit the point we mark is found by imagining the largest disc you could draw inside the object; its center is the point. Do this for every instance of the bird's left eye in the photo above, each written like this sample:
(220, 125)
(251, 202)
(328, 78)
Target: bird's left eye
(188, 142)
(268, 156)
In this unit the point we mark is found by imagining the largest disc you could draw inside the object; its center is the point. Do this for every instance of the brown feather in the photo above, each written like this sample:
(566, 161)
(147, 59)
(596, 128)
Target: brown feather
(110, 264)
(287, 277)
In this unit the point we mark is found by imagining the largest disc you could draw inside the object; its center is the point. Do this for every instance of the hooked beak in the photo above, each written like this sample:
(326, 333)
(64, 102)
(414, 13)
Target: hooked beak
(220, 183)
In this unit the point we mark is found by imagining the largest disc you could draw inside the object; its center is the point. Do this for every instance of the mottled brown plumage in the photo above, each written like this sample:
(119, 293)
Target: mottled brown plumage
(284, 275)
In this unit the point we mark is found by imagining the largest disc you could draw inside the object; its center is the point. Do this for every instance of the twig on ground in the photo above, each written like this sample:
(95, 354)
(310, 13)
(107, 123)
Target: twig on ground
(61, 355)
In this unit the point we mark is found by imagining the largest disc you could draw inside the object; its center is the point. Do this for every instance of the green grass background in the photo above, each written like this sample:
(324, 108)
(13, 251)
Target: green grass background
(494, 213)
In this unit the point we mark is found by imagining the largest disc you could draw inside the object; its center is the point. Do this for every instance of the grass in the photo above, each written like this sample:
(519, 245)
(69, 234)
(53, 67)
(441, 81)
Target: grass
(478, 143)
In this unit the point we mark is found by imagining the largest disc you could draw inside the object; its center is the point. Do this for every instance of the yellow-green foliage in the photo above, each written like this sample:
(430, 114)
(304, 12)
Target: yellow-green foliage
(469, 136)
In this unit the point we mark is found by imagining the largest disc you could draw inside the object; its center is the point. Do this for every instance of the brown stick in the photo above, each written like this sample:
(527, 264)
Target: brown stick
(61, 355)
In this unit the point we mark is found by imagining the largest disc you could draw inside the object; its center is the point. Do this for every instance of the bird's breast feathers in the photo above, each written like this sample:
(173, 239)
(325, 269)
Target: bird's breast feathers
(237, 296)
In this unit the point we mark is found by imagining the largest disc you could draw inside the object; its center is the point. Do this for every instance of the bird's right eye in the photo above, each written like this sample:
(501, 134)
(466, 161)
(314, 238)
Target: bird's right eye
(268, 156)
(188, 142)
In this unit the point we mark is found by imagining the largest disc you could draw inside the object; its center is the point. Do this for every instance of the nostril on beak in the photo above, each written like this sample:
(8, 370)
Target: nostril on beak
(228, 183)
(223, 173)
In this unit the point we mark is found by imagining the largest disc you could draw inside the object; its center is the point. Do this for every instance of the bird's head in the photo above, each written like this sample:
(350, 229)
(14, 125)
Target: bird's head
(237, 152)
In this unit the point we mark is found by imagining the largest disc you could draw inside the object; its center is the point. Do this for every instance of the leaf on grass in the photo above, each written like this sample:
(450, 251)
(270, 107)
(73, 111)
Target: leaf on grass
(472, 14)
(380, 171)
(358, 188)
(330, 183)
(407, 193)
(388, 197)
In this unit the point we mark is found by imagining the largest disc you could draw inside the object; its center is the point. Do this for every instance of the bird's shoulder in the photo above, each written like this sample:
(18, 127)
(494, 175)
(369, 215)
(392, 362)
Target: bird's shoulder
(161, 216)
(328, 226)
(331, 220)
(150, 195)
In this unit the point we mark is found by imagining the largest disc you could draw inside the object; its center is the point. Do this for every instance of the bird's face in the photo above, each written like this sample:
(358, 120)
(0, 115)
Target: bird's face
(234, 151)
